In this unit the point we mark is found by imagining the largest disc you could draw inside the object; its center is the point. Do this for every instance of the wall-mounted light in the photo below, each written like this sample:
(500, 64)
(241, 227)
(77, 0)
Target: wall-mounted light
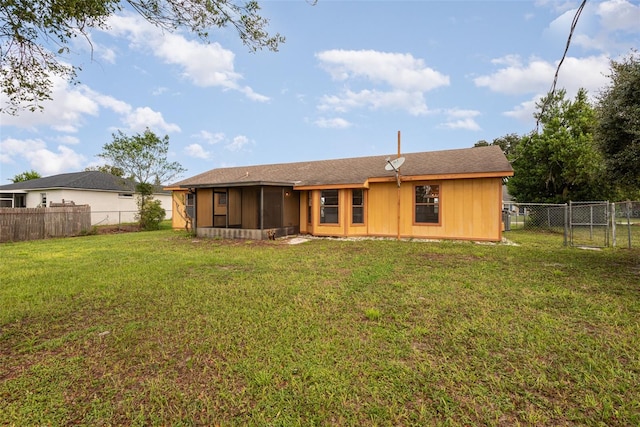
(287, 193)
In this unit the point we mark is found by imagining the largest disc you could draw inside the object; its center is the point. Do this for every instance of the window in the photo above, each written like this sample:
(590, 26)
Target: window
(329, 207)
(125, 195)
(427, 204)
(190, 205)
(357, 206)
(309, 199)
(43, 199)
(222, 199)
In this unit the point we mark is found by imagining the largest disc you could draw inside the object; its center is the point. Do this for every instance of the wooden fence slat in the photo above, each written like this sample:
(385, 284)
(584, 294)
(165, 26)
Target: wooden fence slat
(18, 224)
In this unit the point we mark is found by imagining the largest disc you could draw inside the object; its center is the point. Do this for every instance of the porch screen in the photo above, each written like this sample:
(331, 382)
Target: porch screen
(272, 207)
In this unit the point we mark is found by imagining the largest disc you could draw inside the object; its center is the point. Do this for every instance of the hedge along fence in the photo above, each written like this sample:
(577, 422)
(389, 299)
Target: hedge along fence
(18, 224)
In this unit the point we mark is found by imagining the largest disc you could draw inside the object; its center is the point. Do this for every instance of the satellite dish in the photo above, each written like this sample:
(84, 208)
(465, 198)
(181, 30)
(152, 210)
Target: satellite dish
(394, 165)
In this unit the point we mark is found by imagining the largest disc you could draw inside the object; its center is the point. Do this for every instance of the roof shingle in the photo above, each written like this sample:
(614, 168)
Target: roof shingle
(489, 159)
(87, 180)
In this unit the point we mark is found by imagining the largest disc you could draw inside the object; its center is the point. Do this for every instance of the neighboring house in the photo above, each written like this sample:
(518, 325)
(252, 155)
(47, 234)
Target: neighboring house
(112, 199)
(452, 194)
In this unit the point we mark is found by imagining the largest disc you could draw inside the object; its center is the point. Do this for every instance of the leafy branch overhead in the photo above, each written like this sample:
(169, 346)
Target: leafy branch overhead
(35, 33)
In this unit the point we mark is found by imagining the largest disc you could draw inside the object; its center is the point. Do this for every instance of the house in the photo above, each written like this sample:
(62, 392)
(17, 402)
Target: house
(112, 199)
(451, 194)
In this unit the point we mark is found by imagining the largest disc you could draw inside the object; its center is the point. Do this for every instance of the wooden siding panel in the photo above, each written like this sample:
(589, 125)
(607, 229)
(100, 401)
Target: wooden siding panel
(178, 199)
(382, 209)
(204, 207)
(469, 208)
(291, 208)
(234, 200)
(250, 207)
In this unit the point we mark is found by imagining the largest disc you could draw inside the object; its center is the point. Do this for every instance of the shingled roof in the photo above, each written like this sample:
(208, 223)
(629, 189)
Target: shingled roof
(489, 159)
(88, 180)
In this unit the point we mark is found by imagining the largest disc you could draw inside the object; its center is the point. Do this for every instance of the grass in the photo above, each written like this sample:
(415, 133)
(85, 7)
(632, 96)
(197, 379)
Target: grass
(159, 328)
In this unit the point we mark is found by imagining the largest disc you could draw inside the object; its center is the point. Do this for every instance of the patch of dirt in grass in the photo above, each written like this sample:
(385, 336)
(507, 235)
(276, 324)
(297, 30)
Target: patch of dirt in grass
(115, 229)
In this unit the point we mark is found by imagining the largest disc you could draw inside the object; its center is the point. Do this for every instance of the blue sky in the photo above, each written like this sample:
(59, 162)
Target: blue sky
(351, 74)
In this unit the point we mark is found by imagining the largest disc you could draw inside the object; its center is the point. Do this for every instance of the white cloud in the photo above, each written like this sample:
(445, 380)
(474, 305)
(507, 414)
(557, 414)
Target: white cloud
(68, 140)
(65, 112)
(238, 143)
(40, 159)
(413, 102)
(402, 79)
(516, 77)
(524, 111)
(205, 65)
(536, 77)
(333, 123)
(461, 119)
(197, 151)
(144, 117)
(599, 26)
(70, 105)
(208, 137)
(398, 70)
(619, 15)
(467, 124)
(159, 91)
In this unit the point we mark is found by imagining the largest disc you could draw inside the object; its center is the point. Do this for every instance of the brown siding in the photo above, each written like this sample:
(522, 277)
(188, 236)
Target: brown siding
(291, 208)
(204, 207)
(250, 207)
(234, 199)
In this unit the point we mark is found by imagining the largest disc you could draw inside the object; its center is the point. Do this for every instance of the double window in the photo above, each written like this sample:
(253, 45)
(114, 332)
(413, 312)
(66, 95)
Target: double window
(427, 204)
(329, 204)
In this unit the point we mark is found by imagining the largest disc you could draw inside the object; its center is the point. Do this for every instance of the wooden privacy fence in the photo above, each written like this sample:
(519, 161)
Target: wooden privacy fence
(18, 224)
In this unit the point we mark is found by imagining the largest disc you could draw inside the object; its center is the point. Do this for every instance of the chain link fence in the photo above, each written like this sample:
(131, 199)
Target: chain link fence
(590, 224)
(626, 224)
(118, 219)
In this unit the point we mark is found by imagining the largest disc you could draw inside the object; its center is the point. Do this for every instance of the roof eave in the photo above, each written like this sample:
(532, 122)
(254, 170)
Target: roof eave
(236, 184)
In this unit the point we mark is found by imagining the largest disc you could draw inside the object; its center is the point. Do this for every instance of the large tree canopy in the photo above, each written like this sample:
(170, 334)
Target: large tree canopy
(561, 163)
(618, 129)
(34, 33)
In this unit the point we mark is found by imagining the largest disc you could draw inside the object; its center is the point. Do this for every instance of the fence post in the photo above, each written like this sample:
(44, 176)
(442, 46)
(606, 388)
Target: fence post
(566, 223)
(606, 221)
(614, 239)
(571, 222)
(629, 207)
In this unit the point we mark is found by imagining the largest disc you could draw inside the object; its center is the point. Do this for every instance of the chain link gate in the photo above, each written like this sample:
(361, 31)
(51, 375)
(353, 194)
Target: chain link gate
(589, 224)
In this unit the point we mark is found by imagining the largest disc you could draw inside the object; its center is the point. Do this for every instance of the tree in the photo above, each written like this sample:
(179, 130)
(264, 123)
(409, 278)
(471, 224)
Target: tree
(618, 129)
(508, 143)
(35, 33)
(25, 176)
(107, 169)
(143, 158)
(562, 162)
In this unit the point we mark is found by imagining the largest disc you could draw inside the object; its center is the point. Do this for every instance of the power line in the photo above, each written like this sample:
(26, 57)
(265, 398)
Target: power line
(551, 92)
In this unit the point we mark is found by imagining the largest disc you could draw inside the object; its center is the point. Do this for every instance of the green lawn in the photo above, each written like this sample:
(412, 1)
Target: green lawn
(159, 328)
